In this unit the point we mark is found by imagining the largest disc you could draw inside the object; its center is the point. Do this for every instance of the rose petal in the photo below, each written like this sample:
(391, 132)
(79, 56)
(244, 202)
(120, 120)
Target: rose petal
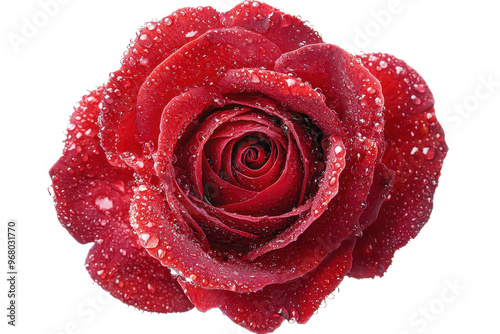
(383, 179)
(361, 119)
(282, 196)
(415, 150)
(327, 189)
(215, 137)
(90, 195)
(177, 116)
(287, 31)
(223, 191)
(153, 44)
(270, 171)
(356, 97)
(295, 125)
(120, 265)
(264, 310)
(179, 113)
(264, 226)
(289, 91)
(179, 248)
(350, 89)
(92, 200)
(200, 62)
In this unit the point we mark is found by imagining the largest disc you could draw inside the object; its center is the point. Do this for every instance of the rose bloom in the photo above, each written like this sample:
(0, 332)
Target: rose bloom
(236, 161)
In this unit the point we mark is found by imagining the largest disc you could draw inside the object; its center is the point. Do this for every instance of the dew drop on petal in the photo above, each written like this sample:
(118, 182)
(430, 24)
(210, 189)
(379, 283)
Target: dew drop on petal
(191, 34)
(148, 240)
(428, 152)
(161, 253)
(333, 180)
(419, 87)
(145, 40)
(104, 203)
(167, 21)
(255, 78)
(416, 100)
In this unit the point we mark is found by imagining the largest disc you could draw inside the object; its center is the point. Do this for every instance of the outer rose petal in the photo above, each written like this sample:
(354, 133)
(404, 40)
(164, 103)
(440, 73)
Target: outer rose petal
(172, 241)
(153, 44)
(350, 90)
(264, 310)
(200, 62)
(355, 95)
(90, 195)
(92, 200)
(383, 179)
(120, 265)
(287, 31)
(415, 150)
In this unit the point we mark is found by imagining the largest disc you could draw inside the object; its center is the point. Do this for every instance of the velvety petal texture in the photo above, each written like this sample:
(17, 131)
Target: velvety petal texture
(236, 161)
(92, 200)
(415, 152)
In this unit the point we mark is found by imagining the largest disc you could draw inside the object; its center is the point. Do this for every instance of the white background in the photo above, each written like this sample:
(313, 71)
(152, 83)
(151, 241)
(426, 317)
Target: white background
(453, 44)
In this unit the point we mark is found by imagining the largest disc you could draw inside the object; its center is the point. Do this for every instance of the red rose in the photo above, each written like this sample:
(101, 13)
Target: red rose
(237, 161)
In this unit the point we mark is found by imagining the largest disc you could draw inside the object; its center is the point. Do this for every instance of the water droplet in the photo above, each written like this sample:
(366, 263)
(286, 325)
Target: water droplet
(290, 82)
(383, 64)
(333, 180)
(151, 288)
(419, 87)
(71, 126)
(191, 33)
(416, 100)
(167, 21)
(145, 40)
(219, 102)
(104, 203)
(378, 101)
(102, 274)
(255, 78)
(148, 240)
(428, 152)
(151, 25)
